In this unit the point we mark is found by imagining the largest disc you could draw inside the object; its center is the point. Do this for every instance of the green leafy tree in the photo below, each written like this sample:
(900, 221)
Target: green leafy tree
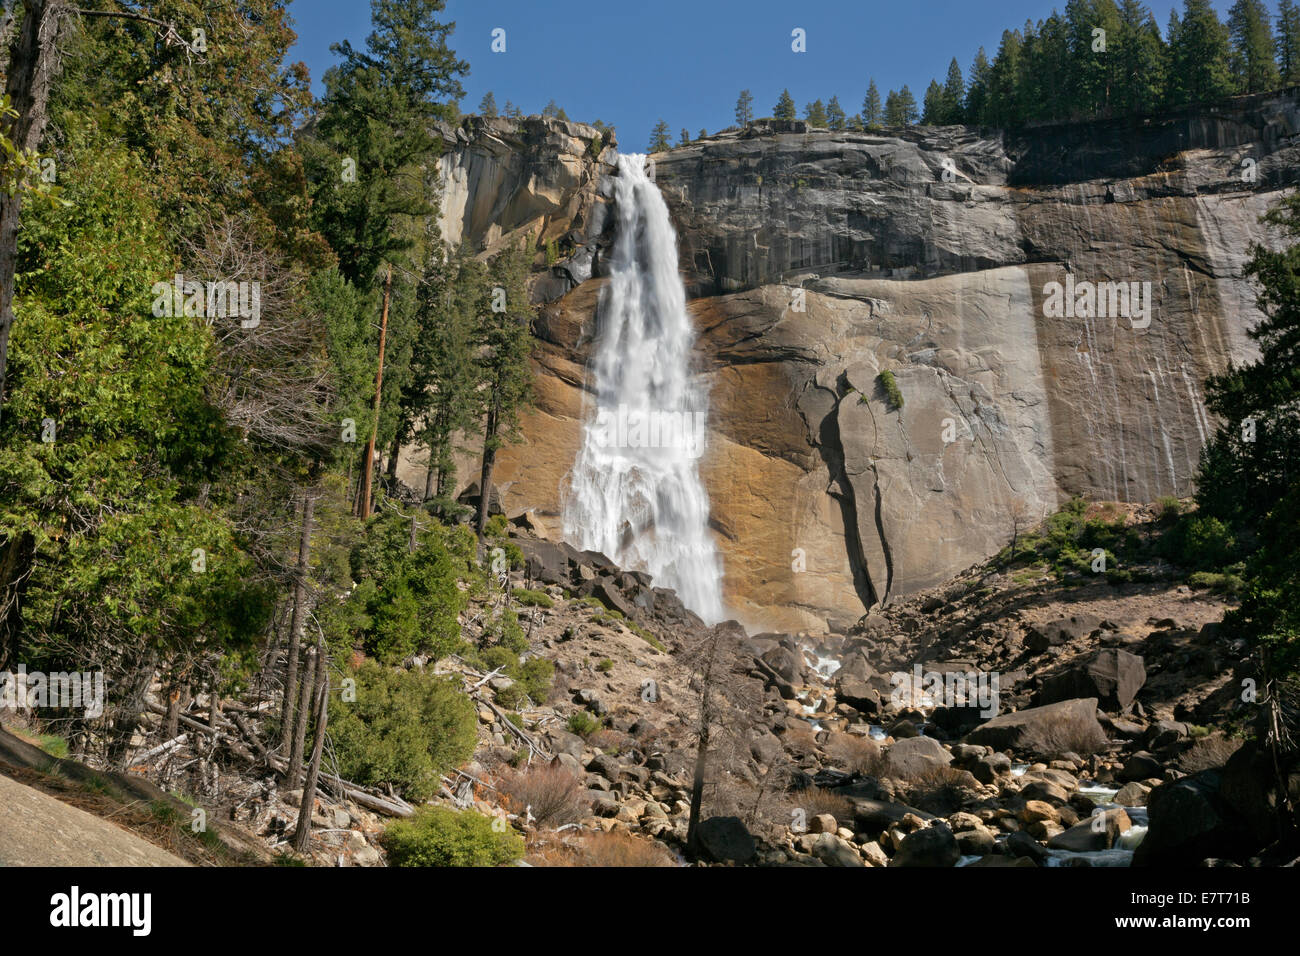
(405, 729)
(815, 114)
(784, 109)
(1141, 60)
(684, 137)
(1004, 107)
(1254, 49)
(744, 108)
(488, 105)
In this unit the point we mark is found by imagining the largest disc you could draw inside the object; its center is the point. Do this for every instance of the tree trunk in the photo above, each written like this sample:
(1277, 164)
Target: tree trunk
(303, 833)
(296, 625)
(31, 72)
(393, 452)
(368, 464)
(485, 477)
(310, 678)
(697, 791)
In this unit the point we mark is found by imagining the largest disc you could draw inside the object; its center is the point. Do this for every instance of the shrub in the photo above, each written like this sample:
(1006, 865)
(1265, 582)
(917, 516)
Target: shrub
(436, 836)
(1200, 542)
(814, 801)
(583, 724)
(552, 794)
(605, 666)
(496, 526)
(890, 385)
(857, 755)
(531, 598)
(1219, 583)
(405, 729)
(620, 848)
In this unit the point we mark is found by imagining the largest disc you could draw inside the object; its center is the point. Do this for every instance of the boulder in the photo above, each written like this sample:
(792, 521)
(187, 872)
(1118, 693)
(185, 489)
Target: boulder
(1064, 630)
(932, 846)
(1031, 727)
(872, 816)
(1022, 844)
(833, 851)
(1188, 821)
(914, 756)
(726, 840)
(1113, 677)
(1098, 832)
(1140, 766)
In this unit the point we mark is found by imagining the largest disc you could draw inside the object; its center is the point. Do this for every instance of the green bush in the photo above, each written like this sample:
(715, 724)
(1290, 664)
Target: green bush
(605, 666)
(531, 598)
(1214, 581)
(890, 385)
(583, 724)
(496, 526)
(1200, 542)
(405, 729)
(436, 836)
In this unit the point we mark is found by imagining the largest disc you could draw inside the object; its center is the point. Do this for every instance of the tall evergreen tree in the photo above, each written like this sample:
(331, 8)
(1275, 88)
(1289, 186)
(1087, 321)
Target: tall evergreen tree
(977, 90)
(744, 108)
(785, 108)
(1140, 56)
(488, 105)
(835, 117)
(1199, 71)
(1254, 49)
(1288, 42)
(505, 376)
(873, 113)
(659, 138)
(954, 94)
(932, 110)
(815, 114)
(1003, 101)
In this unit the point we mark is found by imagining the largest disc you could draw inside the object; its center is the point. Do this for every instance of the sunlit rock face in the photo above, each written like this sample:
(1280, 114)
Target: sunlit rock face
(815, 260)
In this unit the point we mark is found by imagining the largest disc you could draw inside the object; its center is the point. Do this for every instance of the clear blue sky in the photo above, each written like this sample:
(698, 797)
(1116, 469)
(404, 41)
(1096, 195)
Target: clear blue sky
(631, 62)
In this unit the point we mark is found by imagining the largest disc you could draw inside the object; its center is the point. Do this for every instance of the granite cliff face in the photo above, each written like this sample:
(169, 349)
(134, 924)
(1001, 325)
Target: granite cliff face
(816, 260)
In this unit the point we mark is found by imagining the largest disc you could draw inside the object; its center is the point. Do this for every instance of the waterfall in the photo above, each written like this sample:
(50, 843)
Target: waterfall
(634, 493)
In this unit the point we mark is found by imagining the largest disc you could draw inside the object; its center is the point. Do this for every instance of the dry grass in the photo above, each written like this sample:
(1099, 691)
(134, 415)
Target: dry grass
(1074, 734)
(1208, 753)
(857, 755)
(615, 848)
(552, 794)
(815, 801)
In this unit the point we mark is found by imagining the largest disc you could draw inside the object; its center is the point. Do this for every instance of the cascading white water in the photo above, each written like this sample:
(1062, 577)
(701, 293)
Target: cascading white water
(634, 493)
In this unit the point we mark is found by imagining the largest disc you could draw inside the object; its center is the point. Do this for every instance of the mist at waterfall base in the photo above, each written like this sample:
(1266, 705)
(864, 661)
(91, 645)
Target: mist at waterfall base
(634, 493)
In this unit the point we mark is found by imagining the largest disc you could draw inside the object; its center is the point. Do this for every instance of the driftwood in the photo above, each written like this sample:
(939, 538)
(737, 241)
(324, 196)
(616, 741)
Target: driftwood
(161, 749)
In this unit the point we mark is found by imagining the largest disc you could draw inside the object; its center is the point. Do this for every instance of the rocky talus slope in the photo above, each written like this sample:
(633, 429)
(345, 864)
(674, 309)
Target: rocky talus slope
(815, 260)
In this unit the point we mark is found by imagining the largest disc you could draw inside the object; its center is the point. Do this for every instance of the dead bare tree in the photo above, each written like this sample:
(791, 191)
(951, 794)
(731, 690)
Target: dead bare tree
(303, 833)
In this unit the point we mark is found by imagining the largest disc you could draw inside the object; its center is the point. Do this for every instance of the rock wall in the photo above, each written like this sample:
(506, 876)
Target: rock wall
(816, 260)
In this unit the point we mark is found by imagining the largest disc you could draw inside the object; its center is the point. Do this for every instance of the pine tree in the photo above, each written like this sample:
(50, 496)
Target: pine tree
(1199, 69)
(550, 110)
(488, 105)
(815, 114)
(659, 138)
(511, 111)
(932, 111)
(892, 115)
(684, 138)
(835, 117)
(744, 108)
(1254, 49)
(1140, 57)
(954, 94)
(785, 108)
(977, 90)
(873, 114)
(1003, 103)
(703, 133)
(1288, 42)
(504, 345)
